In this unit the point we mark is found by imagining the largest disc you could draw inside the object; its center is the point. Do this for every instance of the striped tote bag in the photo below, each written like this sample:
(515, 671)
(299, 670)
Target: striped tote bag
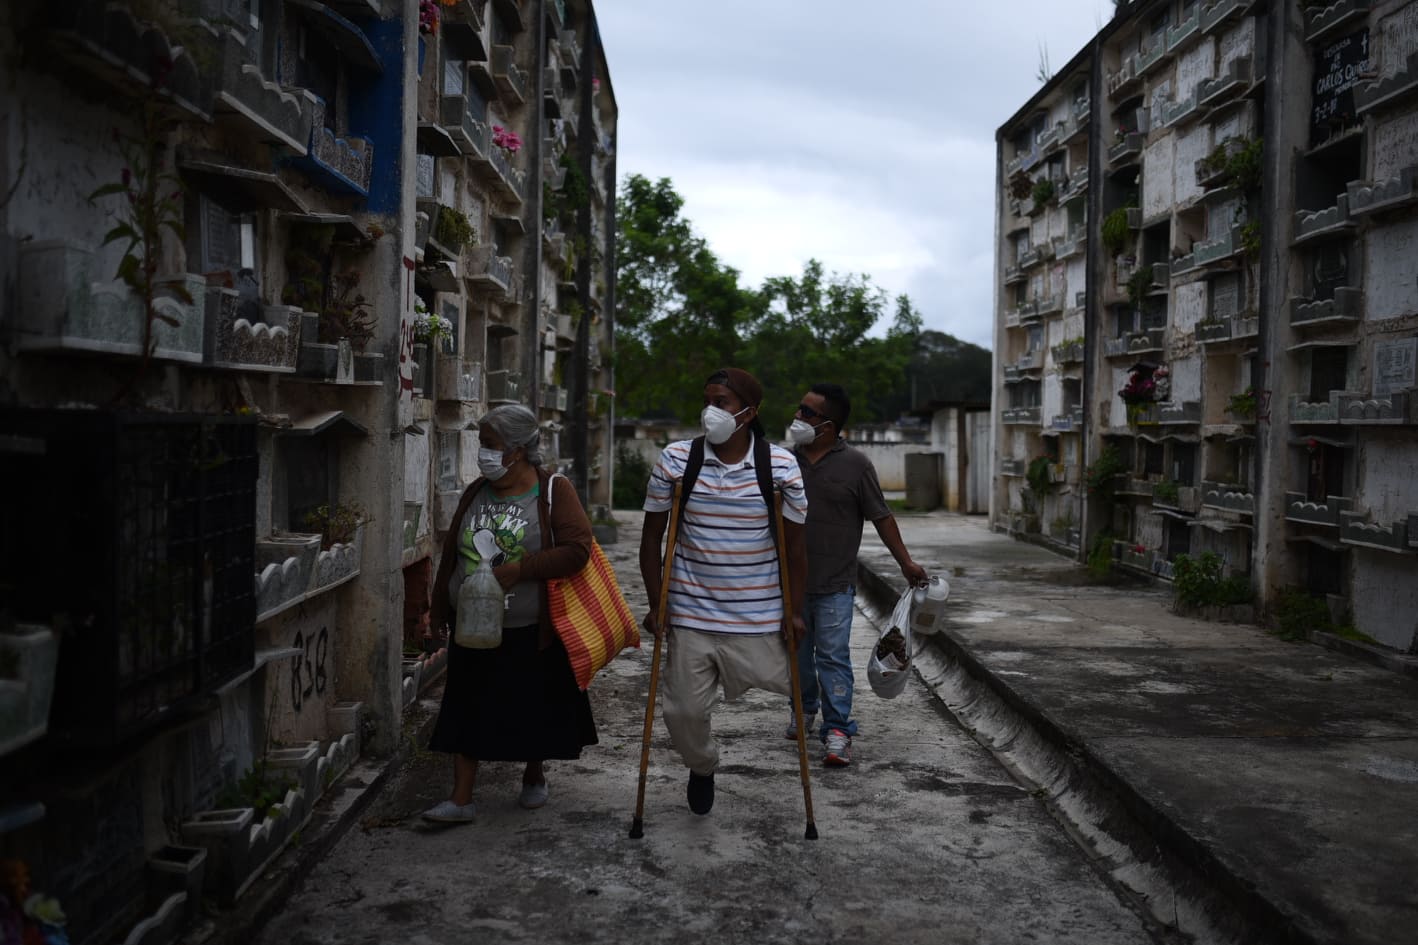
(590, 613)
(591, 616)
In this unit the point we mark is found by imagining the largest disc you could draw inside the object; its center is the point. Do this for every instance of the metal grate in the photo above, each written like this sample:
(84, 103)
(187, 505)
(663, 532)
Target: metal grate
(134, 533)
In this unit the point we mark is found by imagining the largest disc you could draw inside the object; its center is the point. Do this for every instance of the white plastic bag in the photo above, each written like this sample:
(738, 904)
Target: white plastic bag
(889, 665)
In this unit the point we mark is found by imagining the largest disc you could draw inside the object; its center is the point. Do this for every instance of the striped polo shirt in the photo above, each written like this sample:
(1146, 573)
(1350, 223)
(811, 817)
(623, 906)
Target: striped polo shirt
(724, 577)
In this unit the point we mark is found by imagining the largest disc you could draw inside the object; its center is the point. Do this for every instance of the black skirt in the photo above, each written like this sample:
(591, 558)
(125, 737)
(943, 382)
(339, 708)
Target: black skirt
(513, 702)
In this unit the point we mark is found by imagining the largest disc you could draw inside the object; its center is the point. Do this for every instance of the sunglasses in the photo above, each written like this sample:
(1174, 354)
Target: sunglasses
(809, 414)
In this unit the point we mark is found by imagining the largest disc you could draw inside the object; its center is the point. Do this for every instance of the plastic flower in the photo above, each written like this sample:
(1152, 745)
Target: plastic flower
(506, 138)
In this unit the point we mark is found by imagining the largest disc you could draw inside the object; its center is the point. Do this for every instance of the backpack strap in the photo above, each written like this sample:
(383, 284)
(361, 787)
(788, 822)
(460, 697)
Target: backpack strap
(690, 476)
(763, 466)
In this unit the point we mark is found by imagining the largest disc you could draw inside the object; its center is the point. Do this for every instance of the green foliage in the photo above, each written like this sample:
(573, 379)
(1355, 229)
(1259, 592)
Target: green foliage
(1042, 191)
(1250, 239)
(1100, 556)
(1243, 405)
(151, 207)
(1297, 613)
(336, 523)
(307, 261)
(576, 191)
(454, 231)
(1138, 283)
(315, 285)
(254, 790)
(632, 474)
(346, 313)
(1099, 475)
(1243, 168)
(1038, 475)
(1239, 167)
(1198, 582)
(682, 313)
(1115, 231)
(1166, 491)
(1349, 632)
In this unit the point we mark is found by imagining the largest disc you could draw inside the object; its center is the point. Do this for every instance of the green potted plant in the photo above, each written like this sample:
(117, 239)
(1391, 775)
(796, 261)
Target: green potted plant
(1166, 491)
(453, 230)
(1100, 477)
(1243, 405)
(337, 523)
(1037, 475)
(1115, 230)
(1138, 283)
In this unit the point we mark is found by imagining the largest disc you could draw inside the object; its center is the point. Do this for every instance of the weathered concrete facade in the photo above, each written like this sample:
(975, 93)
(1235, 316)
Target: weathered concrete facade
(1250, 321)
(219, 554)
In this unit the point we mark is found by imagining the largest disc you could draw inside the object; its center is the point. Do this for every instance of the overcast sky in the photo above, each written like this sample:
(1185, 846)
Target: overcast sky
(859, 134)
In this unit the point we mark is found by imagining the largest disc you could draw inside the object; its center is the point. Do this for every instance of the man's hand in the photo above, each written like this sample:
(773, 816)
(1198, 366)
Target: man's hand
(914, 574)
(794, 631)
(652, 625)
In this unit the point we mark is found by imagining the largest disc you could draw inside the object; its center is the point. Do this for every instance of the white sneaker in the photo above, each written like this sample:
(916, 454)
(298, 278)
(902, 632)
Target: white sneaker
(446, 812)
(839, 749)
(533, 796)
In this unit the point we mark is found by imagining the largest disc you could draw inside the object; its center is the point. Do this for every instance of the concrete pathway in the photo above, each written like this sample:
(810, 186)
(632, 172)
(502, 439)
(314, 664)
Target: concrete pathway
(1284, 775)
(926, 838)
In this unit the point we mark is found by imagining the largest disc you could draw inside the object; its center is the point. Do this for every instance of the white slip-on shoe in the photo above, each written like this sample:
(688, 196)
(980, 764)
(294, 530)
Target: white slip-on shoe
(446, 812)
(533, 796)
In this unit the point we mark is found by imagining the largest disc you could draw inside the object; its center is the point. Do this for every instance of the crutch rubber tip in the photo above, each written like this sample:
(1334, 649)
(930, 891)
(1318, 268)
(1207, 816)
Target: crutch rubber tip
(637, 829)
(809, 834)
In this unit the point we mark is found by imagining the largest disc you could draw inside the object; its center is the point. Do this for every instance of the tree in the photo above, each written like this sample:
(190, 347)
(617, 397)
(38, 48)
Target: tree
(944, 368)
(816, 329)
(680, 311)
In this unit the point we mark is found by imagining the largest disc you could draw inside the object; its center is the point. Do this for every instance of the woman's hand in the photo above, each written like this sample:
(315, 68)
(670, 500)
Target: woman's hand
(508, 574)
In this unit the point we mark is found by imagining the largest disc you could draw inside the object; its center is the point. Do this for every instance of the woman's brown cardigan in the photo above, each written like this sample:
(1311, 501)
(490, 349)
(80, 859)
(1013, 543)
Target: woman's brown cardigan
(568, 522)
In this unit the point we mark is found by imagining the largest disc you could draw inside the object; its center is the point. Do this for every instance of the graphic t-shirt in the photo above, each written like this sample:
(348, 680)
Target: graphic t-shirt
(514, 524)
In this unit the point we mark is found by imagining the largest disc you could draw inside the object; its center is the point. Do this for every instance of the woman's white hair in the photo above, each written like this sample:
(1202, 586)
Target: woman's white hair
(518, 428)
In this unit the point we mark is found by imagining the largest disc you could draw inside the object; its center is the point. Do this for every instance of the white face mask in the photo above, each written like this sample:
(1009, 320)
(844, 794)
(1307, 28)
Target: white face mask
(801, 433)
(490, 464)
(718, 424)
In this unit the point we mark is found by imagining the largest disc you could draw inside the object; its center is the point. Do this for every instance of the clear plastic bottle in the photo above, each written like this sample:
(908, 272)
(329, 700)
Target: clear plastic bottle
(928, 612)
(481, 606)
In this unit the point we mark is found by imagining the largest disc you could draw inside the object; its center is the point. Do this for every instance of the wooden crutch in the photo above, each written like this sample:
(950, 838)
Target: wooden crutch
(811, 832)
(637, 823)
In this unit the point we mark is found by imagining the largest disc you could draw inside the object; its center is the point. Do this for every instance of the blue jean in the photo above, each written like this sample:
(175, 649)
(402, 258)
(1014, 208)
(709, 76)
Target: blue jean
(825, 661)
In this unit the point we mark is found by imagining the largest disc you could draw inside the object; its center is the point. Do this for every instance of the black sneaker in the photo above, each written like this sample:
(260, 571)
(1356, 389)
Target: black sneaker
(701, 792)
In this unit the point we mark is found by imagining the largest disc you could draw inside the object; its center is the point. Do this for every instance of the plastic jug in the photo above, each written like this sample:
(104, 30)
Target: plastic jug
(481, 606)
(928, 612)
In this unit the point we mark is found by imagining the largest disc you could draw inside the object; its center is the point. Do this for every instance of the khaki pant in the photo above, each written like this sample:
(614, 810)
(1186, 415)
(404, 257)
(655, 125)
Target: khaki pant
(699, 663)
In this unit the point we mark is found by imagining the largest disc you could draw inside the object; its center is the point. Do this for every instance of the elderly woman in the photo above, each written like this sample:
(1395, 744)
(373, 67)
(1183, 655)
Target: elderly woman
(518, 701)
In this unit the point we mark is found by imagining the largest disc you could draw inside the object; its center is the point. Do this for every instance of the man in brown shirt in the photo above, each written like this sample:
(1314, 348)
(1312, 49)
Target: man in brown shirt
(842, 493)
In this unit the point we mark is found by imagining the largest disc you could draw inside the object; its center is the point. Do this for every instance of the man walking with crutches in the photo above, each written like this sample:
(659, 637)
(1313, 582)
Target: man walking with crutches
(726, 623)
